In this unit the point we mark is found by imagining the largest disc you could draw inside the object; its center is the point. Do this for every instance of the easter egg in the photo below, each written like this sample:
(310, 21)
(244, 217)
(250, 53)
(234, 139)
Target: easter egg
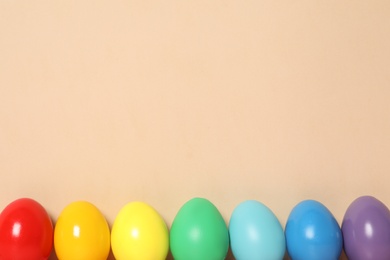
(199, 232)
(256, 233)
(81, 233)
(139, 232)
(366, 230)
(312, 232)
(26, 231)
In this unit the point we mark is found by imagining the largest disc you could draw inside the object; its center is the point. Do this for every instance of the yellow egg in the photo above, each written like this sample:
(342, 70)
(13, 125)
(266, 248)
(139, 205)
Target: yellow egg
(139, 232)
(81, 233)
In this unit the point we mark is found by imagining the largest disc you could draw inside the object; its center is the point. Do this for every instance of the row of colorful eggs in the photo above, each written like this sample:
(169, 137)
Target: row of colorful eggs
(198, 232)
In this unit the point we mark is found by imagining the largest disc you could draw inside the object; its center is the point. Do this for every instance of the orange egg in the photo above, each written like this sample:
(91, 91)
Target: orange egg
(81, 233)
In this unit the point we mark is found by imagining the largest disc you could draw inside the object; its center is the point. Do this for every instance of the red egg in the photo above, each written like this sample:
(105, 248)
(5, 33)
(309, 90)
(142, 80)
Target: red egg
(26, 231)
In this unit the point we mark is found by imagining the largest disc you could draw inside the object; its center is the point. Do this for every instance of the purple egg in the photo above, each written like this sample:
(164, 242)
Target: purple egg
(366, 230)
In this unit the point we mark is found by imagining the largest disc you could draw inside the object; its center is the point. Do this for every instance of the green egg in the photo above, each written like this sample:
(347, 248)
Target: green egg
(199, 232)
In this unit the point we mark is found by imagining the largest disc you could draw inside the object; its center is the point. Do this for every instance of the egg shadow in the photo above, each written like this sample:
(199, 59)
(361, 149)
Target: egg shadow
(53, 255)
(170, 256)
(229, 255)
(111, 256)
(343, 256)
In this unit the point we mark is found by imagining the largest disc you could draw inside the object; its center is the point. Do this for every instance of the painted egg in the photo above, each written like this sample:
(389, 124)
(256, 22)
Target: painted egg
(81, 233)
(26, 231)
(139, 232)
(199, 232)
(256, 233)
(312, 232)
(366, 230)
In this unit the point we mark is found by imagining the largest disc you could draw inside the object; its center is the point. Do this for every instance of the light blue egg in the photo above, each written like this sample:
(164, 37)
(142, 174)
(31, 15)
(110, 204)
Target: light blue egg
(312, 233)
(256, 233)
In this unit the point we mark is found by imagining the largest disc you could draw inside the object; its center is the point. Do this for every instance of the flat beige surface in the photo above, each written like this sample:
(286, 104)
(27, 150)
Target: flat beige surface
(162, 101)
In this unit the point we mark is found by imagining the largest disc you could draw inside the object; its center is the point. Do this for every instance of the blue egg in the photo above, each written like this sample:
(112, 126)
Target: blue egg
(312, 232)
(256, 233)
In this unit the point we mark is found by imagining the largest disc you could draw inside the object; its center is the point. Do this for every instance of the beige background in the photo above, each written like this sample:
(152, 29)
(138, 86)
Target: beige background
(162, 101)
